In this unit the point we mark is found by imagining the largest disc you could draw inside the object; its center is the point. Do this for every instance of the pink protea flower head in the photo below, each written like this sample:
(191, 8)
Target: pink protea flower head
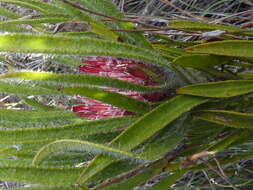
(122, 69)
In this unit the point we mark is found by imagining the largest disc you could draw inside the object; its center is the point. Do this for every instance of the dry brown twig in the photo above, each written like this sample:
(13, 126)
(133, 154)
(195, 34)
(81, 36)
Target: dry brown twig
(108, 17)
(221, 173)
(168, 2)
(150, 28)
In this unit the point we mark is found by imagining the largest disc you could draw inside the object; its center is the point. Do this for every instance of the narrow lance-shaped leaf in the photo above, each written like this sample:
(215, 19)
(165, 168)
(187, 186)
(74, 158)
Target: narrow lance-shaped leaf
(51, 187)
(26, 4)
(206, 63)
(36, 5)
(233, 48)
(69, 144)
(204, 26)
(40, 123)
(116, 99)
(241, 135)
(238, 157)
(227, 118)
(34, 116)
(76, 46)
(132, 182)
(37, 105)
(25, 89)
(39, 175)
(199, 61)
(72, 61)
(158, 149)
(156, 120)
(96, 26)
(193, 25)
(81, 79)
(102, 6)
(145, 175)
(151, 123)
(71, 131)
(227, 161)
(50, 8)
(108, 8)
(7, 13)
(222, 89)
(7, 152)
(168, 181)
(51, 20)
(13, 28)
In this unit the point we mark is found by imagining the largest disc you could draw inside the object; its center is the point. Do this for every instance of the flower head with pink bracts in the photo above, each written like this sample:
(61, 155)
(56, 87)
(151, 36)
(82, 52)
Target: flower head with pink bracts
(119, 68)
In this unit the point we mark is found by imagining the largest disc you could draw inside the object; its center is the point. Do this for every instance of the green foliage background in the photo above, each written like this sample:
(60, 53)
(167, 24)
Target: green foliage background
(208, 111)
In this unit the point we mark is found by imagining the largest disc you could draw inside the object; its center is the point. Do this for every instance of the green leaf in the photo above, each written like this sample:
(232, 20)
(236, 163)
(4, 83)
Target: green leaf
(206, 63)
(74, 131)
(108, 8)
(51, 20)
(222, 89)
(49, 8)
(27, 4)
(39, 175)
(200, 61)
(7, 152)
(37, 105)
(166, 140)
(72, 61)
(35, 116)
(73, 11)
(227, 118)
(97, 27)
(36, 5)
(69, 144)
(156, 120)
(233, 48)
(134, 181)
(168, 181)
(25, 89)
(115, 169)
(82, 79)
(102, 6)
(238, 135)
(44, 187)
(238, 157)
(75, 46)
(172, 51)
(151, 123)
(116, 99)
(103, 30)
(147, 174)
(13, 28)
(38, 123)
(7, 13)
(202, 26)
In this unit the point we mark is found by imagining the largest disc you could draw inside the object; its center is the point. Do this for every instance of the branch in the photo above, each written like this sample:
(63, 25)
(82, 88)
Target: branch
(161, 164)
(106, 16)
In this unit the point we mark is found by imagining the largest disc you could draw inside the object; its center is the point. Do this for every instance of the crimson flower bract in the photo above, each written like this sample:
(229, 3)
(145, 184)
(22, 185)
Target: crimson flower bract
(122, 69)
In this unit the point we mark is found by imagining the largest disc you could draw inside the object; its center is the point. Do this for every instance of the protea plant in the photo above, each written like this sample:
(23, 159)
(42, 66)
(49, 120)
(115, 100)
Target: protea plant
(150, 109)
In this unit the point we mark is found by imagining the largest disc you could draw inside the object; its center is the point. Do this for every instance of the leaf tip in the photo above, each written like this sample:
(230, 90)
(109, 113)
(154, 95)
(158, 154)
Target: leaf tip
(179, 91)
(189, 49)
